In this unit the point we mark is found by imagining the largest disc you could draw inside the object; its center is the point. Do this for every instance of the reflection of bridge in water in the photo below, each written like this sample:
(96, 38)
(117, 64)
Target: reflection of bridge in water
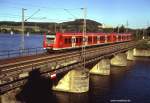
(14, 72)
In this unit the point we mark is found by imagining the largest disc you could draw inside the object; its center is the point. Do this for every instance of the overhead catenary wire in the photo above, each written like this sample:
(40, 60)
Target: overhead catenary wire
(17, 6)
(70, 13)
(32, 14)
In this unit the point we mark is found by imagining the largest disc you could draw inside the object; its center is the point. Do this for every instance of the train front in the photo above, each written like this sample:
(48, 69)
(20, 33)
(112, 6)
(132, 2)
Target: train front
(49, 40)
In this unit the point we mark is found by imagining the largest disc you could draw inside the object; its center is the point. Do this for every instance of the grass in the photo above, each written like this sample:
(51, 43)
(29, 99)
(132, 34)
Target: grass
(144, 45)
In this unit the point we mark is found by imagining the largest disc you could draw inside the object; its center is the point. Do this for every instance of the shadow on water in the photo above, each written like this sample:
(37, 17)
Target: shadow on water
(38, 89)
(100, 87)
(72, 97)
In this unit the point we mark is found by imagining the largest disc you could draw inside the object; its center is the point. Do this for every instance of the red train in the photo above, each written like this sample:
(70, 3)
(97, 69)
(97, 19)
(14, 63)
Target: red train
(59, 41)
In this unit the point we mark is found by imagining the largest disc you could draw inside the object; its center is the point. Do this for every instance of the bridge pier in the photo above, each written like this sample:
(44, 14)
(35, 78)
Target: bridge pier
(101, 68)
(130, 55)
(75, 81)
(141, 52)
(119, 60)
(8, 97)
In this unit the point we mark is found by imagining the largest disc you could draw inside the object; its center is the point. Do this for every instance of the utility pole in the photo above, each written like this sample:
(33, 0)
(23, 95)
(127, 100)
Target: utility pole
(84, 36)
(137, 36)
(60, 27)
(23, 20)
(127, 27)
(22, 37)
(118, 28)
(147, 29)
(143, 33)
(55, 27)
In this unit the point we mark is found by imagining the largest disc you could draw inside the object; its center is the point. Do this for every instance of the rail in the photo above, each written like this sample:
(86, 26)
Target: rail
(20, 52)
(91, 55)
(12, 68)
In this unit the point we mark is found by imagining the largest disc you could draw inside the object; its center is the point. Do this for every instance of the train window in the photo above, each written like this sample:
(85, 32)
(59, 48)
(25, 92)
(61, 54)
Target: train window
(114, 37)
(80, 40)
(95, 39)
(77, 40)
(102, 38)
(90, 39)
(109, 38)
(69, 40)
(50, 40)
(123, 37)
(119, 37)
(66, 41)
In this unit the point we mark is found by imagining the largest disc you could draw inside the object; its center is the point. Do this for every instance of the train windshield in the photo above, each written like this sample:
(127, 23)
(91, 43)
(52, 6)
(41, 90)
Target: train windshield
(50, 38)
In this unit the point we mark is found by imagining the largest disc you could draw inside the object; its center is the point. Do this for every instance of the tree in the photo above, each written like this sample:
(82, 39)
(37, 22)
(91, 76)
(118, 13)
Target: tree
(122, 29)
(148, 31)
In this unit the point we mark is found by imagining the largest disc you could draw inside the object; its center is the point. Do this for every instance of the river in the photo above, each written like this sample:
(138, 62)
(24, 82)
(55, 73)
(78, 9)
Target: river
(13, 42)
(125, 84)
(10, 45)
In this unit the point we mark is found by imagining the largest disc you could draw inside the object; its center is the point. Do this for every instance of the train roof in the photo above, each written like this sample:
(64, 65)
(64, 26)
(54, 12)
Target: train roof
(80, 34)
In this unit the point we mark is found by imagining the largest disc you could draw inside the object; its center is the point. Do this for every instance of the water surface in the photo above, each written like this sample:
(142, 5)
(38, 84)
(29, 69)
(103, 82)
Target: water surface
(127, 84)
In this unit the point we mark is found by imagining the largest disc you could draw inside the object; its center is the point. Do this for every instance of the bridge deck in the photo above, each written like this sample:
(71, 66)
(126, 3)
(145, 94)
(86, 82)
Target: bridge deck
(12, 68)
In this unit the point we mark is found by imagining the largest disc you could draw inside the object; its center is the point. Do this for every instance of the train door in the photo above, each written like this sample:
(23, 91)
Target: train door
(86, 40)
(89, 40)
(102, 39)
(121, 38)
(106, 38)
(114, 38)
(117, 38)
(98, 39)
(73, 41)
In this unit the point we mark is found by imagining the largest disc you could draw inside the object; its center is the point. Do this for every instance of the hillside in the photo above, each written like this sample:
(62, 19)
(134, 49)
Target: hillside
(77, 25)
(70, 26)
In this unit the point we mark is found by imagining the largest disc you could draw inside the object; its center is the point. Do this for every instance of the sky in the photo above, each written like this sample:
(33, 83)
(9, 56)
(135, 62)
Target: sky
(110, 12)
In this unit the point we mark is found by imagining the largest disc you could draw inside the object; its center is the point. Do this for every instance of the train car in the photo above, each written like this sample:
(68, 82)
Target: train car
(60, 41)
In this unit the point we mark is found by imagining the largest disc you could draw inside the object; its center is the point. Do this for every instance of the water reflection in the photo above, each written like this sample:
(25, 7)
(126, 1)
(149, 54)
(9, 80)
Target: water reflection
(72, 97)
(100, 87)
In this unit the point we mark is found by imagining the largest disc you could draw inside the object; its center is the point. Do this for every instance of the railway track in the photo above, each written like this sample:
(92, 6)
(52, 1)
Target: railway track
(9, 67)
(12, 70)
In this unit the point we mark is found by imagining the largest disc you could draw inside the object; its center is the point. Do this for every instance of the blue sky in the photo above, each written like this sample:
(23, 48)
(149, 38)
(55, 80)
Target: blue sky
(109, 12)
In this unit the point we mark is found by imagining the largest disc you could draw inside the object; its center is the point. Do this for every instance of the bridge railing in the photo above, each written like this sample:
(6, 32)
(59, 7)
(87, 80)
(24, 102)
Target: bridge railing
(21, 52)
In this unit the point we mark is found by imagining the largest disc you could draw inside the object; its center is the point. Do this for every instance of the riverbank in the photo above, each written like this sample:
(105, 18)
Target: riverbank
(143, 49)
